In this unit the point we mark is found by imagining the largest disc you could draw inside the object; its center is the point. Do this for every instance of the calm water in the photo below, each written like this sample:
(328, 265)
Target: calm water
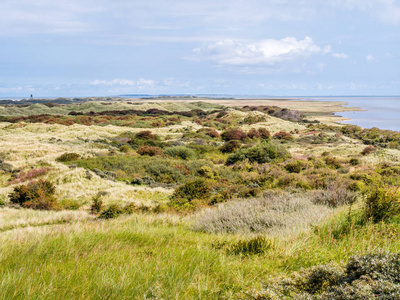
(381, 112)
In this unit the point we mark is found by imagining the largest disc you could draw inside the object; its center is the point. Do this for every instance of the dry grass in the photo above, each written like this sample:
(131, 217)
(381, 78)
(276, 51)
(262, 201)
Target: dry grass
(275, 214)
(11, 218)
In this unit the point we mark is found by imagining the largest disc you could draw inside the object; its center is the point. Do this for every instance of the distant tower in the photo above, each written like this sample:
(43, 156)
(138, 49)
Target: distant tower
(31, 96)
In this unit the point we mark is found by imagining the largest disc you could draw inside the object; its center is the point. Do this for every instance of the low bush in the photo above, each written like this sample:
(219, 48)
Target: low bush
(283, 135)
(354, 161)
(188, 195)
(264, 133)
(125, 149)
(36, 195)
(369, 276)
(382, 203)
(97, 204)
(230, 146)
(68, 156)
(145, 135)
(263, 153)
(253, 134)
(296, 166)
(111, 212)
(149, 150)
(368, 150)
(181, 152)
(234, 134)
(335, 195)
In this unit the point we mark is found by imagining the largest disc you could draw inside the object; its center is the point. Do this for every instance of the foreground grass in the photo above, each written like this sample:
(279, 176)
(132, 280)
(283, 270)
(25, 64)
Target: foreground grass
(154, 257)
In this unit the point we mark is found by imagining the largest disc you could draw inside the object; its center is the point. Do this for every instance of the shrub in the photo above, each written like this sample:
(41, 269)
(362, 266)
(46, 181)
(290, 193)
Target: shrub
(36, 195)
(332, 162)
(97, 204)
(66, 157)
(184, 195)
(206, 172)
(212, 133)
(382, 203)
(253, 134)
(145, 135)
(181, 152)
(234, 134)
(263, 153)
(354, 161)
(125, 148)
(335, 195)
(368, 150)
(369, 276)
(283, 135)
(149, 150)
(112, 211)
(230, 146)
(296, 166)
(264, 133)
(162, 172)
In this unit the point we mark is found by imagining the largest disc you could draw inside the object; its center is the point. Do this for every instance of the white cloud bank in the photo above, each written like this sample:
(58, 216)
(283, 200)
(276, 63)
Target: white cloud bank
(123, 82)
(340, 55)
(266, 52)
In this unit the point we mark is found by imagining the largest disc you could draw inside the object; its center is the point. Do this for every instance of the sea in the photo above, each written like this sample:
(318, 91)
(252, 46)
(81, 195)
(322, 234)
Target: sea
(377, 111)
(381, 112)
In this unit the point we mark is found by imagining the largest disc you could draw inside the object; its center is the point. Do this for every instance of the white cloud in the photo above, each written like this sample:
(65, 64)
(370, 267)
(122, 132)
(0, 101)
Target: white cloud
(117, 81)
(369, 58)
(340, 55)
(266, 52)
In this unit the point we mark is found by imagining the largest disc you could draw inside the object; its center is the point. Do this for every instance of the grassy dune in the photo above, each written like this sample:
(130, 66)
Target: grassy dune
(203, 251)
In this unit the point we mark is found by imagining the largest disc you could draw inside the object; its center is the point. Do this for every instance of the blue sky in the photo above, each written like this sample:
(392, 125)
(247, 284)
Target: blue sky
(252, 47)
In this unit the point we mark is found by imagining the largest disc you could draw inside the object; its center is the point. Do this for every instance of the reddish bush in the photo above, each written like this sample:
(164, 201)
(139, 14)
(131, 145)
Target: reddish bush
(145, 135)
(230, 147)
(253, 134)
(264, 133)
(234, 134)
(149, 150)
(283, 135)
(36, 195)
(212, 133)
(368, 150)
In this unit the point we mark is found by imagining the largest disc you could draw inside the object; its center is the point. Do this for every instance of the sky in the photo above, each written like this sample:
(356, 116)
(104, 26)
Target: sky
(251, 47)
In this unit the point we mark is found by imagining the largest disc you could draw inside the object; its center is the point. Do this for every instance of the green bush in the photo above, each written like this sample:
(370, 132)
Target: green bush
(36, 195)
(181, 152)
(125, 148)
(296, 166)
(382, 203)
(66, 157)
(110, 212)
(263, 153)
(196, 190)
(366, 277)
(161, 171)
(97, 204)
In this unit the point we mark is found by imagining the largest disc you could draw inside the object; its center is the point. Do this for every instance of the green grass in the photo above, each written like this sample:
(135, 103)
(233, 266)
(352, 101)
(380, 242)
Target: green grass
(145, 256)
